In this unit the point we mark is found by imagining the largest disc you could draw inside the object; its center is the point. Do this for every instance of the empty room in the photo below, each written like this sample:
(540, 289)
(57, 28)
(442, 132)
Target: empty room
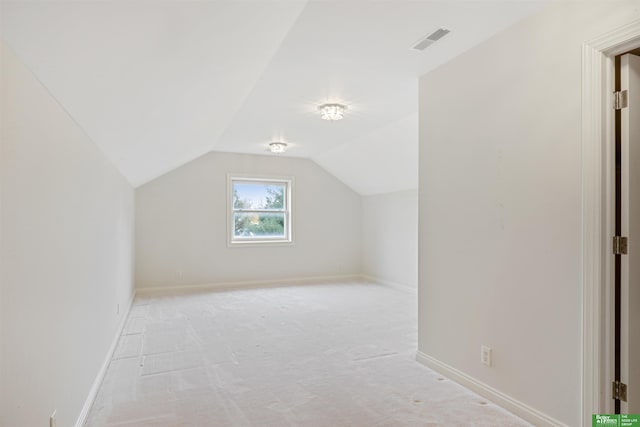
(319, 213)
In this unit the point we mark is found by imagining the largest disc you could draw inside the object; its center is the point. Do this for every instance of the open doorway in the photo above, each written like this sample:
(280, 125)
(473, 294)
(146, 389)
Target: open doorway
(626, 260)
(599, 221)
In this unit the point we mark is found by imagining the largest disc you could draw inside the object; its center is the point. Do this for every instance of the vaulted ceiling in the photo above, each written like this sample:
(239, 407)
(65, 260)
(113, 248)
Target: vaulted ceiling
(158, 83)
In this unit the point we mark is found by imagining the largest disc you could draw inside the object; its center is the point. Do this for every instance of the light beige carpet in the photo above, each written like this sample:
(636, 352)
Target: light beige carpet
(339, 354)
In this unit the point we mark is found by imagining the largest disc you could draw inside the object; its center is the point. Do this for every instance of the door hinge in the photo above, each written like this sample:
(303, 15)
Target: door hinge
(619, 391)
(620, 100)
(620, 245)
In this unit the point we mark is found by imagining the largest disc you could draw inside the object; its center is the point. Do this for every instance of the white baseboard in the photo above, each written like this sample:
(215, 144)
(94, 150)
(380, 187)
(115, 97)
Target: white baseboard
(518, 408)
(93, 392)
(250, 284)
(399, 286)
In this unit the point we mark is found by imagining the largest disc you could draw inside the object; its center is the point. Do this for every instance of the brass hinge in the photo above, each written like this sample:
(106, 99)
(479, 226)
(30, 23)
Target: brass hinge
(620, 100)
(619, 391)
(620, 245)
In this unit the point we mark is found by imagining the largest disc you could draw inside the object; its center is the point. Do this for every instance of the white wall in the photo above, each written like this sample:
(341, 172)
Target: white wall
(390, 237)
(500, 213)
(66, 228)
(181, 229)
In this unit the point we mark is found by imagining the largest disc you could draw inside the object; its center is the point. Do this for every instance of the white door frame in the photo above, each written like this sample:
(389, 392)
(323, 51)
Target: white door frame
(597, 214)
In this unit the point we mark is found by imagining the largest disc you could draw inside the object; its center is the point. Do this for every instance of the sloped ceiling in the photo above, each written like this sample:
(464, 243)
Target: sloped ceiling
(157, 84)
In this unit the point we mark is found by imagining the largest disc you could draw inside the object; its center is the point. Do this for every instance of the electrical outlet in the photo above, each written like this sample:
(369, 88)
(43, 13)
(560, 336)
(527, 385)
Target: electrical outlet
(485, 355)
(118, 309)
(52, 419)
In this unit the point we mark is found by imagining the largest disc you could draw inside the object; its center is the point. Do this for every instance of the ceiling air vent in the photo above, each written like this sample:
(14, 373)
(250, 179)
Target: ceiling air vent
(427, 41)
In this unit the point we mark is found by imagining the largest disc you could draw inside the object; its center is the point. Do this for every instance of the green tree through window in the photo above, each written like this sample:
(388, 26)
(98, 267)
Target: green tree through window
(260, 210)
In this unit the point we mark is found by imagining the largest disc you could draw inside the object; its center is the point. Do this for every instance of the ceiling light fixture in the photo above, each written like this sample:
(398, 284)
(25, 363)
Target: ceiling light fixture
(277, 147)
(332, 111)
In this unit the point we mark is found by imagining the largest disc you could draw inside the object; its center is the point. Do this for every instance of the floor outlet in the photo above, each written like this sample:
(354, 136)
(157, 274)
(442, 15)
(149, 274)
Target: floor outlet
(52, 419)
(485, 355)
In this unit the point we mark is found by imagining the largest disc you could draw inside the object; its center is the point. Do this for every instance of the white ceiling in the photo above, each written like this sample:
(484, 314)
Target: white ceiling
(157, 84)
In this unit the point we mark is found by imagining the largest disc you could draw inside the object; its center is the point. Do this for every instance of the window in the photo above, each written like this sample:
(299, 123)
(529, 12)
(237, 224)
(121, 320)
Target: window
(259, 210)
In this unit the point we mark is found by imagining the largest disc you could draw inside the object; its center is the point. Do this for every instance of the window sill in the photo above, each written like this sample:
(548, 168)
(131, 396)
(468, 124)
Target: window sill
(259, 243)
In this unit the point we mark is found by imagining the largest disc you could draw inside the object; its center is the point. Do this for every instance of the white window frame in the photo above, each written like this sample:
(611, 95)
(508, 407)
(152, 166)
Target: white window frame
(288, 181)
